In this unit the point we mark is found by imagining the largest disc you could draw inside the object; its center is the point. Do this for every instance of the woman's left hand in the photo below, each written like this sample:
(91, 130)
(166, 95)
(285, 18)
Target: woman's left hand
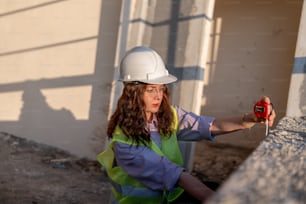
(271, 111)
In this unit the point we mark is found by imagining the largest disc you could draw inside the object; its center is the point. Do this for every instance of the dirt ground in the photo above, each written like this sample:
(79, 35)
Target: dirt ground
(32, 173)
(214, 162)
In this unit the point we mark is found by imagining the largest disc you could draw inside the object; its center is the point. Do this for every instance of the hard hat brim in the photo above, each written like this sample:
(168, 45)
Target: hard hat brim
(160, 80)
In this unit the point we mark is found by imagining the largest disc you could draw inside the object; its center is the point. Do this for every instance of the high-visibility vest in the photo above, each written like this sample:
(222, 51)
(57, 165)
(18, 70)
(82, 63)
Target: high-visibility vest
(127, 189)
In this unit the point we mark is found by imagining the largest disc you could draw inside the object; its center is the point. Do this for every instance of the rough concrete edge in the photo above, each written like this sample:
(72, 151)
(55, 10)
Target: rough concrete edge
(274, 172)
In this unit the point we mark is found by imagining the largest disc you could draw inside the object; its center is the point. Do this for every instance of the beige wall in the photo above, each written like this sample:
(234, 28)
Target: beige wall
(251, 55)
(56, 61)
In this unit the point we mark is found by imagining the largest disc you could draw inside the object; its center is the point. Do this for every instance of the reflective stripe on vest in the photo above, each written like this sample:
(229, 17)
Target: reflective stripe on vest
(128, 189)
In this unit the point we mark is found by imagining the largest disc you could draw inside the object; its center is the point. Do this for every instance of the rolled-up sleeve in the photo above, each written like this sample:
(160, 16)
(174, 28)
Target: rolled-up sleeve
(193, 127)
(149, 168)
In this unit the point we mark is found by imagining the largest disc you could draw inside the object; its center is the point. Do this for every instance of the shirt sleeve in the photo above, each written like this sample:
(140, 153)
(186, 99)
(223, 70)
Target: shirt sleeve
(193, 127)
(149, 168)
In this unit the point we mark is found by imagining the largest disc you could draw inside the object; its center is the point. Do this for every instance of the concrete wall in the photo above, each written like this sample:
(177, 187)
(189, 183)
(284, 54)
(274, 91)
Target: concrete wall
(56, 62)
(297, 95)
(251, 54)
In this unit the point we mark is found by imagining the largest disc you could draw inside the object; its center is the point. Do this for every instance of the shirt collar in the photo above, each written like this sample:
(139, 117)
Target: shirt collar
(153, 125)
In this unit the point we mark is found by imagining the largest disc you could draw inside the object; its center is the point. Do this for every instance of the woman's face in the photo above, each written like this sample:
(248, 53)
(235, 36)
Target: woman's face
(152, 97)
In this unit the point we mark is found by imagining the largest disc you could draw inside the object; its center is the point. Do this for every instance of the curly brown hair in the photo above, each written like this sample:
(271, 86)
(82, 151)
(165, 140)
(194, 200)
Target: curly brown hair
(131, 118)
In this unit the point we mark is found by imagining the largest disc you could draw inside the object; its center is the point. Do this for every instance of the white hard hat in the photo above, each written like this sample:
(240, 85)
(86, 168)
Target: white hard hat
(143, 64)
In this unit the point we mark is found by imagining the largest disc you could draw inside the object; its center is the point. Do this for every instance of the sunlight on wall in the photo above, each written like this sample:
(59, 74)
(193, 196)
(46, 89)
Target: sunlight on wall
(43, 40)
(214, 49)
(11, 104)
(78, 102)
(32, 24)
(212, 55)
(65, 61)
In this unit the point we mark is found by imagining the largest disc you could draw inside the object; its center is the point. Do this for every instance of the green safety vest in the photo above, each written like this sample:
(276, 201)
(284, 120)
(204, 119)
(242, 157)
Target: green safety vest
(128, 190)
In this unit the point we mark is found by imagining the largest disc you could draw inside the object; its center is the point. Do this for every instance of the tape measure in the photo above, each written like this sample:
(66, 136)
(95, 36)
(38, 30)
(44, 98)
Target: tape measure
(262, 111)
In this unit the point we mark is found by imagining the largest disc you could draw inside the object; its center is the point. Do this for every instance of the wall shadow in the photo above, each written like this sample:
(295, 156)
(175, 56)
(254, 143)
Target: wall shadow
(37, 6)
(41, 123)
(36, 112)
(299, 67)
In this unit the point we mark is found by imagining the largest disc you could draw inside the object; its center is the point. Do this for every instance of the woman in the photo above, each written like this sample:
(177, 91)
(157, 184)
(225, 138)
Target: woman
(143, 159)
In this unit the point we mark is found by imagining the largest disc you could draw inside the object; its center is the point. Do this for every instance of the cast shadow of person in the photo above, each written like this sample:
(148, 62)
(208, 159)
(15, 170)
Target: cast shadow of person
(42, 123)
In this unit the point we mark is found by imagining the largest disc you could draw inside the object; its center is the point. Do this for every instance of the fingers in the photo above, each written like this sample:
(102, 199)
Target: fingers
(266, 99)
(272, 118)
(272, 114)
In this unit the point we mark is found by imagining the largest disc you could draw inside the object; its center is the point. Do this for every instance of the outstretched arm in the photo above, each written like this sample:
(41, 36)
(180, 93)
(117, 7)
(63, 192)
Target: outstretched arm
(232, 124)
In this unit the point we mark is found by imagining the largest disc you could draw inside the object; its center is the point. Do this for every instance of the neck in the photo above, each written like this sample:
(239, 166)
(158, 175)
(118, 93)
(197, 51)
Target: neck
(149, 116)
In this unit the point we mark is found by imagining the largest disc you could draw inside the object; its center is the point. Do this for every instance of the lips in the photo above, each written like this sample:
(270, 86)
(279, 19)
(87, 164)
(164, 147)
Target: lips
(155, 105)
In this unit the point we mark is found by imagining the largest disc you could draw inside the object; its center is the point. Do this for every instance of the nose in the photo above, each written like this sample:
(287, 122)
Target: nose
(157, 95)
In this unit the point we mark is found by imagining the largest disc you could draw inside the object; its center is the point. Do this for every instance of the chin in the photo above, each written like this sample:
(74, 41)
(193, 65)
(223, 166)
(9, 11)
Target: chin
(155, 110)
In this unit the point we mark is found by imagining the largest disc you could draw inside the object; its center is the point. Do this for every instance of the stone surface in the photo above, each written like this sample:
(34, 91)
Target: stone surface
(274, 173)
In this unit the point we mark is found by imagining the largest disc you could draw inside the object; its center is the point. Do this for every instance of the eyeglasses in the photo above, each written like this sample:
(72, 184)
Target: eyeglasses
(154, 90)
